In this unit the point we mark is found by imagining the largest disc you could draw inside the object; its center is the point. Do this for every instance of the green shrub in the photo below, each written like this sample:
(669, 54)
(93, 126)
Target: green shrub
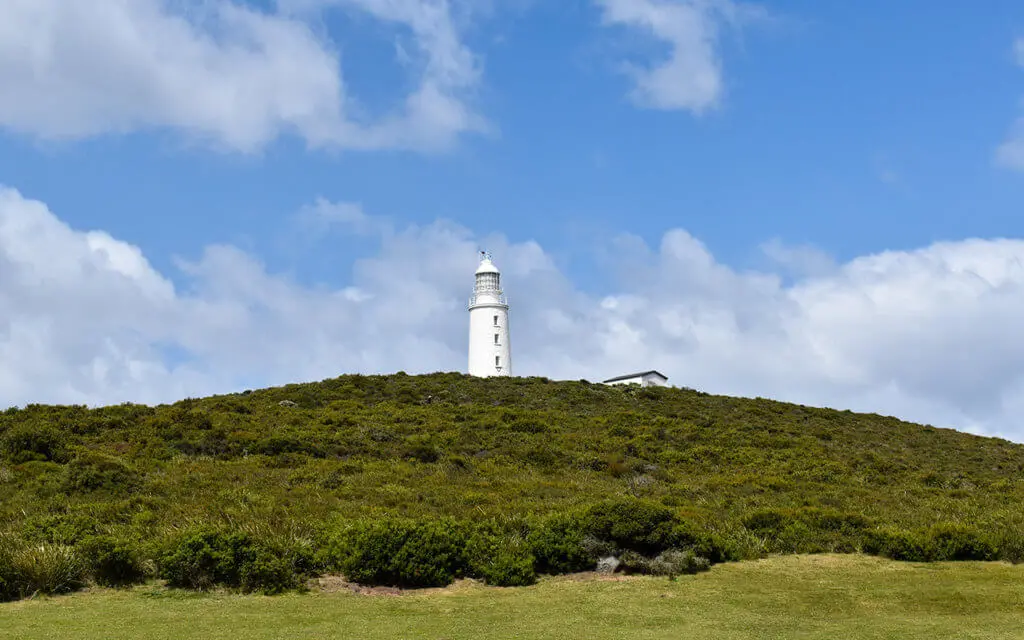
(28, 442)
(958, 542)
(59, 528)
(512, 566)
(808, 530)
(206, 558)
(112, 562)
(648, 529)
(270, 571)
(796, 537)
(8, 574)
(767, 521)
(899, 544)
(97, 472)
(941, 542)
(635, 525)
(402, 553)
(712, 547)
(1011, 546)
(499, 556)
(559, 545)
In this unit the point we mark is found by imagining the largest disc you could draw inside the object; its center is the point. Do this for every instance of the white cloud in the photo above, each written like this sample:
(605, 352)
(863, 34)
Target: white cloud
(1010, 153)
(690, 76)
(930, 335)
(220, 71)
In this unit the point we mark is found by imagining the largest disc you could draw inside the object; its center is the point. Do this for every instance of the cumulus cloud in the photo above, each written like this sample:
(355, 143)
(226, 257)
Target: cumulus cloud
(1010, 153)
(930, 335)
(690, 76)
(222, 72)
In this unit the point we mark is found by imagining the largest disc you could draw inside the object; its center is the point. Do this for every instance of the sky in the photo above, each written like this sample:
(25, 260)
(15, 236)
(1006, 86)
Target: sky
(813, 201)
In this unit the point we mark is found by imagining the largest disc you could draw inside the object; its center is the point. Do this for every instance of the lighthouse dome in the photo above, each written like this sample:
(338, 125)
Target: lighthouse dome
(486, 266)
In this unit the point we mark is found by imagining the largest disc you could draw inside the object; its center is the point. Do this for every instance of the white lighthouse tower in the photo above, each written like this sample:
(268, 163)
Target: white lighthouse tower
(490, 353)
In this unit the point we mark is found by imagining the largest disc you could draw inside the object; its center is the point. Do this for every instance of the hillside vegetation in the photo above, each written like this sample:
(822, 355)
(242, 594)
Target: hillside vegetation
(499, 478)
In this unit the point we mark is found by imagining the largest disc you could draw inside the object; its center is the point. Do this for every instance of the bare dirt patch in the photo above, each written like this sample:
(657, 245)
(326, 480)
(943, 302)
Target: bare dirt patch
(335, 584)
(338, 584)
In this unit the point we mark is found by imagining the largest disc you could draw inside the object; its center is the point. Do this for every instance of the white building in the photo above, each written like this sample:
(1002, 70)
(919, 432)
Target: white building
(644, 379)
(490, 353)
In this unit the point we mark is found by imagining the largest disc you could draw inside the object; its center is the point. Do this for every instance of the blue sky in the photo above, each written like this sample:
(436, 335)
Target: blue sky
(791, 143)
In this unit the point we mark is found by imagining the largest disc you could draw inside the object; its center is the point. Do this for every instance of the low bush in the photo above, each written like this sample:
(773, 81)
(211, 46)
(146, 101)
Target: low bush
(940, 543)
(648, 529)
(97, 472)
(8, 575)
(559, 545)
(401, 553)
(25, 443)
(1011, 546)
(500, 556)
(899, 544)
(958, 542)
(59, 528)
(767, 521)
(112, 562)
(808, 530)
(511, 566)
(269, 571)
(205, 558)
(635, 525)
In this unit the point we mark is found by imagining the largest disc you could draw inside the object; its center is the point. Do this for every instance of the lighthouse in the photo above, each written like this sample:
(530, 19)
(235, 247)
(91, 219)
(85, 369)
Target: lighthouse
(490, 353)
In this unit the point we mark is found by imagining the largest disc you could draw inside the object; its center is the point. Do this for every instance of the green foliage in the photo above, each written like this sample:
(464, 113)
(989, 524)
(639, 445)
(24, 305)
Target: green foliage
(402, 553)
(808, 530)
(29, 442)
(559, 545)
(635, 525)
(112, 562)
(563, 472)
(941, 542)
(205, 558)
(499, 554)
(59, 528)
(511, 566)
(43, 569)
(900, 544)
(959, 542)
(97, 472)
(8, 573)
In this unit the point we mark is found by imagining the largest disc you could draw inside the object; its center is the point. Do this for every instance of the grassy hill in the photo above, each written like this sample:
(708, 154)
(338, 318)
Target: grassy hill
(296, 461)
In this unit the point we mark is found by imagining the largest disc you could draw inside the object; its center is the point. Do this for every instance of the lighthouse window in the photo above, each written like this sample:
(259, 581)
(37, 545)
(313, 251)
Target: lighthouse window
(496, 338)
(495, 320)
(497, 361)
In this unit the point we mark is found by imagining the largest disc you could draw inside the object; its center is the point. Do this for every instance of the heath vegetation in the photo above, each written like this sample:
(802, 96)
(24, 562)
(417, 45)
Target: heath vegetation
(419, 480)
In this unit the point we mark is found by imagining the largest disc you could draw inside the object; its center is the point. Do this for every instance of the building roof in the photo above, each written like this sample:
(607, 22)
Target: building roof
(637, 375)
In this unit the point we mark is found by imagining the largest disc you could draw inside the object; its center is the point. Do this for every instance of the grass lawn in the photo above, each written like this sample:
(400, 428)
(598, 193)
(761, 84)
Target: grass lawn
(784, 597)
